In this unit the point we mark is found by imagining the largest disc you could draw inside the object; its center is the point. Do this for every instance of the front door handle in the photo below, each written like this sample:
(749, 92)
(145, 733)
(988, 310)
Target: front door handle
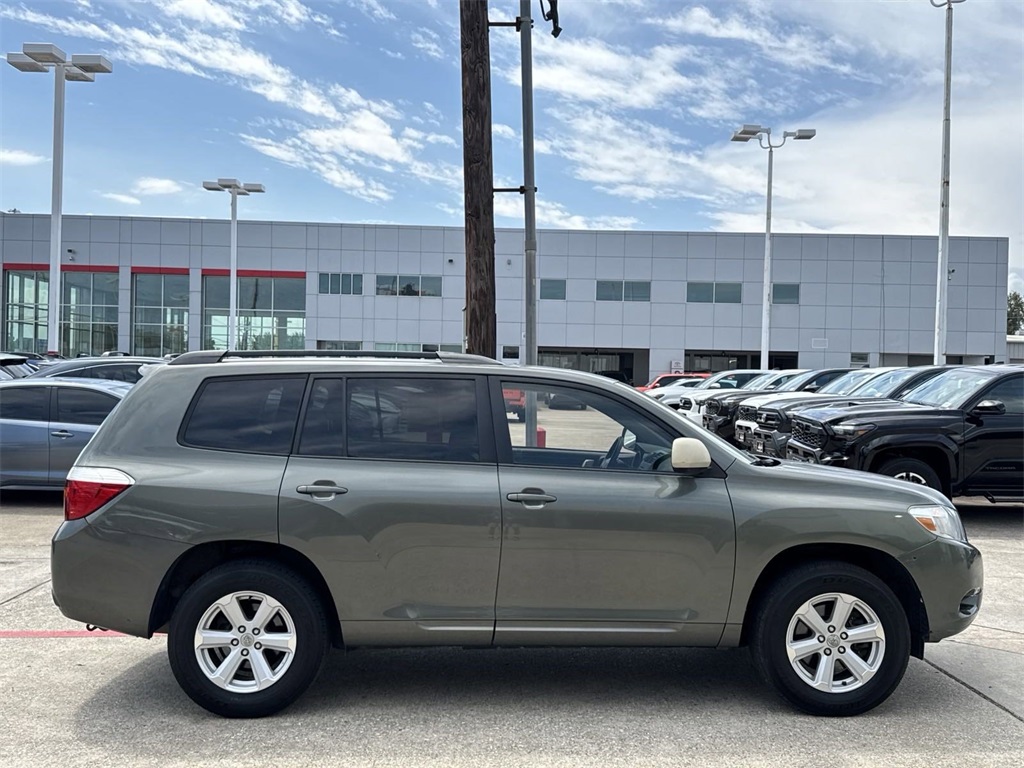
(63, 434)
(532, 498)
(321, 490)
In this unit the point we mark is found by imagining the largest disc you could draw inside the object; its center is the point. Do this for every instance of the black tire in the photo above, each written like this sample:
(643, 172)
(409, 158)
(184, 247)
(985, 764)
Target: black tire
(300, 603)
(771, 632)
(911, 470)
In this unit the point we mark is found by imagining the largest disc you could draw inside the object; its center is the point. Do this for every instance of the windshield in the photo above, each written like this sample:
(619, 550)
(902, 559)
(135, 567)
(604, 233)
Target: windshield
(886, 384)
(797, 382)
(759, 382)
(949, 389)
(706, 384)
(847, 383)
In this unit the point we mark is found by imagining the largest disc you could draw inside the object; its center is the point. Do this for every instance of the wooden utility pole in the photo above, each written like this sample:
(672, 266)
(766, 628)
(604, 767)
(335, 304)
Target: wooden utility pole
(478, 177)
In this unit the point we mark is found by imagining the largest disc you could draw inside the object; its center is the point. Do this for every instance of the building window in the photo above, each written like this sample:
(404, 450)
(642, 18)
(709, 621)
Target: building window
(553, 290)
(271, 312)
(718, 293)
(859, 360)
(159, 314)
(346, 346)
(88, 313)
(408, 285)
(785, 293)
(609, 290)
(345, 283)
(26, 298)
(637, 290)
(512, 353)
(390, 346)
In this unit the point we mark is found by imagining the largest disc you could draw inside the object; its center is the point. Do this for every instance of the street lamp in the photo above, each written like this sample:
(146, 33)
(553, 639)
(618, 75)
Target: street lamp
(942, 277)
(82, 68)
(764, 138)
(235, 188)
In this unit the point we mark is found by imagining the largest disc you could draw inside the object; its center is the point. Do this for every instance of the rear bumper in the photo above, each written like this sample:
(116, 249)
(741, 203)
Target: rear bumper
(107, 578)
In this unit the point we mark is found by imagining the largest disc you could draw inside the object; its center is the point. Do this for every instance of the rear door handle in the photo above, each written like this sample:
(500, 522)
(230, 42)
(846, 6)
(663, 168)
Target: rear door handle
(63, 433)
(533, 499)
(321, 490)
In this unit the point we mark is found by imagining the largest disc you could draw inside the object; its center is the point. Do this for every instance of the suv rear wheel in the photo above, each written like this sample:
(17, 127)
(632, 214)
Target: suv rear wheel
(247, 639)
(831, 638)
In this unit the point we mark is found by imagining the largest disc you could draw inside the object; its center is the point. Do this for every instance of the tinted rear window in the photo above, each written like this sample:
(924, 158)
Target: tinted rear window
(249, 415)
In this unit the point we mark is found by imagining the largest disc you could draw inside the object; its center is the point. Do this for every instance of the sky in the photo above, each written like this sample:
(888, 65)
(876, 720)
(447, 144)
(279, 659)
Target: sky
(350, 111)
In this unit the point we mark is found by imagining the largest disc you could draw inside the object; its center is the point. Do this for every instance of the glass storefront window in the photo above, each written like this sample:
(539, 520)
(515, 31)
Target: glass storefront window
(26, 298)
(271, 312)
(88, 313)
(160, 314)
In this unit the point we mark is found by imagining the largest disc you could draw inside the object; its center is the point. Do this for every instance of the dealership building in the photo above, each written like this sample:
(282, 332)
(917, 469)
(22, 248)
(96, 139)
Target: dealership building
(641, 302)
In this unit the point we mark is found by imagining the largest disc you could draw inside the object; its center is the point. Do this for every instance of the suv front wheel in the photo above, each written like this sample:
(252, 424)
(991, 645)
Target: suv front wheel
(247, 639)
(831, 638)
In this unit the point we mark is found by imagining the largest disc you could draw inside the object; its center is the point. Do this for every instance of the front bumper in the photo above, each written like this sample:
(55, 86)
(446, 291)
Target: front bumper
(950, 576)
(798, 451)
(765, 443)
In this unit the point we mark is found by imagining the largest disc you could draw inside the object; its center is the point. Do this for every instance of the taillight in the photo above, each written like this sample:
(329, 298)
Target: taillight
(89, 488)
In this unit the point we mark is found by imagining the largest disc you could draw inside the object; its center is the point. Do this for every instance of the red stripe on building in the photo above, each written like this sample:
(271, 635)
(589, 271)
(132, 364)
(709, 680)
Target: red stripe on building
(253, 273)
(27, 267)
(89, 268)
(159, 270)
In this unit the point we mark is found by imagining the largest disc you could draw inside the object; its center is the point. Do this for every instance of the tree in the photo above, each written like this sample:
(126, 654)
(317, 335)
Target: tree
(1014, 313)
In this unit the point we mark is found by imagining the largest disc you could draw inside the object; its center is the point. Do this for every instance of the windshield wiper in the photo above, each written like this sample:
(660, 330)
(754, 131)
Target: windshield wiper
(766, 461)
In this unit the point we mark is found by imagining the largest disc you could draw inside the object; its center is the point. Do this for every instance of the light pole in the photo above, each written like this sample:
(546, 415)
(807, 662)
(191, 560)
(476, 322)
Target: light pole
(764, 138)
(942, 276)
(82, 68)
(235, 189)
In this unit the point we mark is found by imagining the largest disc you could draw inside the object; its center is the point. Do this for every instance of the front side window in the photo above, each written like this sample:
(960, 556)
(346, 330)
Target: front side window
(25, 403)
(412, 419)
(247, 415)
(83, 406)
(848, 382)
(1009, 392)
(585, 430)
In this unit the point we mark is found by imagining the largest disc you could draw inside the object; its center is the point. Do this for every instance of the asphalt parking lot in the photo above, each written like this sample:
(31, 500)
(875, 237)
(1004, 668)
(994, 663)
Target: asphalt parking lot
(74, 698)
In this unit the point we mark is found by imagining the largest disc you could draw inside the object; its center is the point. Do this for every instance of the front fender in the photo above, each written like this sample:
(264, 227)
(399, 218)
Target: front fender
(867, 455)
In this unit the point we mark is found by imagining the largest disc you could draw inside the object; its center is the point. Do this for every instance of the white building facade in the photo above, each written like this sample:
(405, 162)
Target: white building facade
(641, 302)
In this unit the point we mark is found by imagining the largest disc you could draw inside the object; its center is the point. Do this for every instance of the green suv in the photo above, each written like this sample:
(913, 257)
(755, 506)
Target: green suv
(262, 507)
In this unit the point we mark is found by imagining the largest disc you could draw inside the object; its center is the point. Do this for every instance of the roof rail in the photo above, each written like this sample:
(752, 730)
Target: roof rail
(209, 356)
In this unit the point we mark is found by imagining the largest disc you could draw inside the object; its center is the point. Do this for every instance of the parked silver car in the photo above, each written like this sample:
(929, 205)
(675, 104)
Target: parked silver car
(45, 423)
(112, 368)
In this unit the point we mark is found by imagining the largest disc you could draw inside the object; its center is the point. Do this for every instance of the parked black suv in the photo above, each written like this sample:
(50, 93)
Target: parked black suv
(961, 433)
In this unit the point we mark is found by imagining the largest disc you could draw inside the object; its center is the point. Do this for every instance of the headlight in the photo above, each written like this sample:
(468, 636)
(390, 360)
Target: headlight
(940, 520)
(851, 430)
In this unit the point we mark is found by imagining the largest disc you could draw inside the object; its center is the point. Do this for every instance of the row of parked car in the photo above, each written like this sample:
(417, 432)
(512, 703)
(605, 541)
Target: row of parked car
(50, 408)
(957, 429)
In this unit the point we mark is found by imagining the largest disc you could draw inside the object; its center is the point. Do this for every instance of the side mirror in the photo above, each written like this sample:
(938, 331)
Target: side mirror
(628, 440)
(812, 388)
(989, 406)
(690, 456)
(716, 385)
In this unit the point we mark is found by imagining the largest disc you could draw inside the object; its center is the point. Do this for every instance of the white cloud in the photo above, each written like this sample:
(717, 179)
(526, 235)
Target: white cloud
(148, 185)
(118, 198)
(19, 157)
(555, 215)
(504, 131)
(206, 12)
(429, 42)
(393, 54)
(374, 9)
